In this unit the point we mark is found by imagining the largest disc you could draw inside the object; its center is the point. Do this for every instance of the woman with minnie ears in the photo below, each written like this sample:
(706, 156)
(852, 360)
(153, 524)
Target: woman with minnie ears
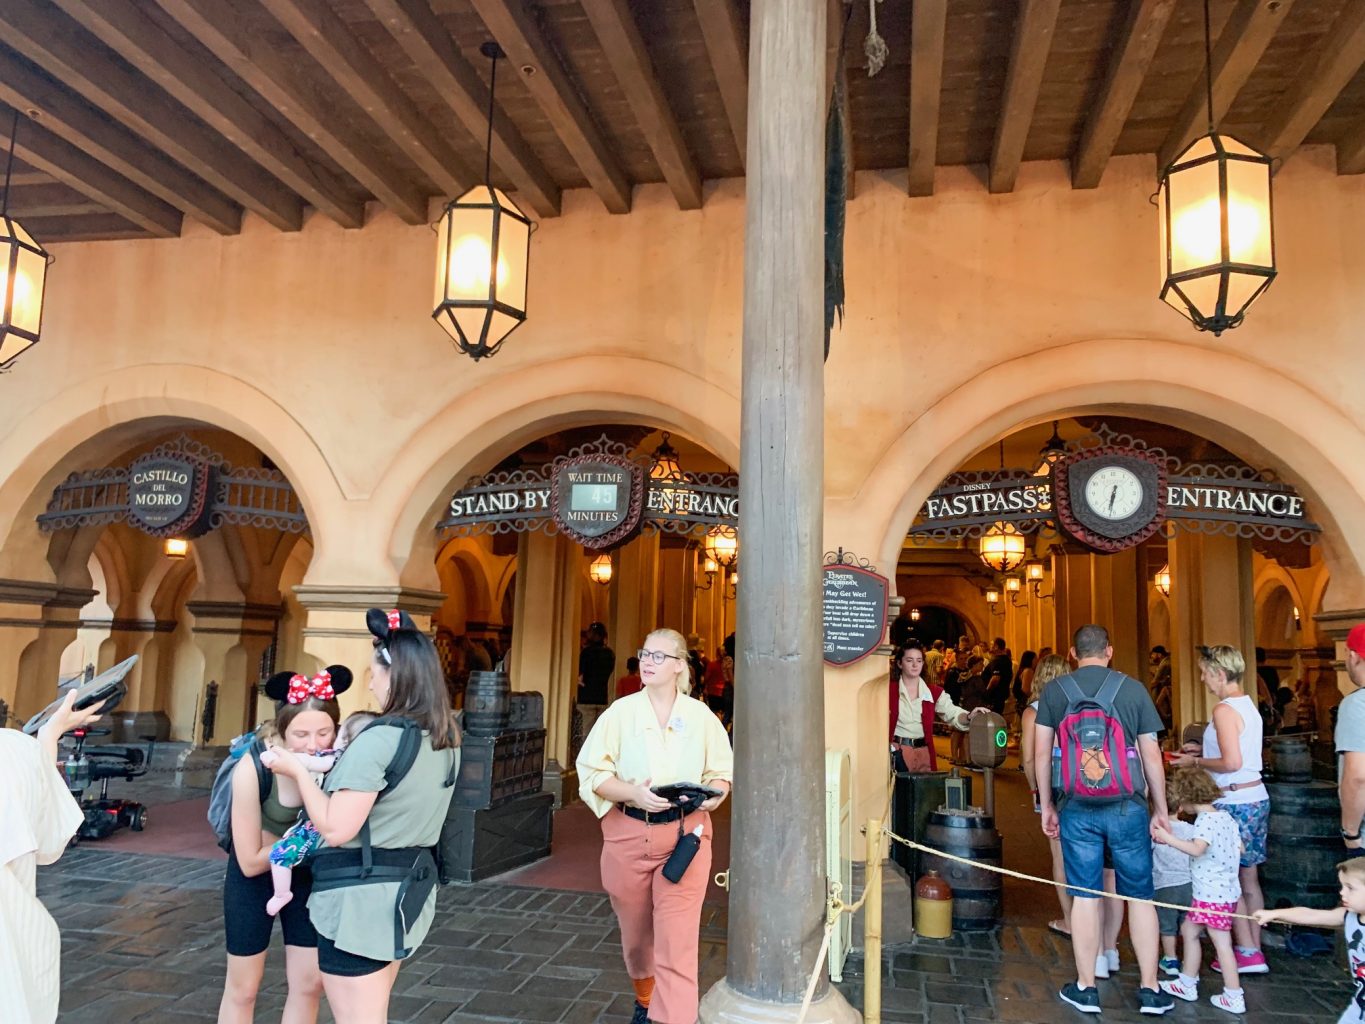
(356, 944)
(306, 723)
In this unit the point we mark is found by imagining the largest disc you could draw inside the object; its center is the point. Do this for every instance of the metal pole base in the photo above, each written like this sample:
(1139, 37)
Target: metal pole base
(723, 1005)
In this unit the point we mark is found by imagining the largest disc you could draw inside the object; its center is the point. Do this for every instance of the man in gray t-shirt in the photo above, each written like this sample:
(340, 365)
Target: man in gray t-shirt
(1350, 744)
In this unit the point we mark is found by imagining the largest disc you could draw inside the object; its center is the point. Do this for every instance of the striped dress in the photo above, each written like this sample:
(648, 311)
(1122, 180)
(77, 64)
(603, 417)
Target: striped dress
(37, 817)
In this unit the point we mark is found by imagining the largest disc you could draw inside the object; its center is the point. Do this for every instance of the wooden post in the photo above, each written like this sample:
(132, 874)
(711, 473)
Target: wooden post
(872, 926)
(777, 867)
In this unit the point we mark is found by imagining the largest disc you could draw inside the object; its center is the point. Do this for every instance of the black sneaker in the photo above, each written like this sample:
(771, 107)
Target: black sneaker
(1155, 1002)
(1087, 1000)
(641, 1015)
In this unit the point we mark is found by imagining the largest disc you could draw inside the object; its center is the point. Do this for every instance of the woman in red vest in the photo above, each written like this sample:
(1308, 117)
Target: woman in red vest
(915, 704)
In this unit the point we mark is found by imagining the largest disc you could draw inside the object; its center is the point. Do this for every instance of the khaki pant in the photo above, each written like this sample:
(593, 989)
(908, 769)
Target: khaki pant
(660, 921)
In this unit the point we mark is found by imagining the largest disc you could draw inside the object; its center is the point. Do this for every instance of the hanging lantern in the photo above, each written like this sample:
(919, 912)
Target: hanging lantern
(176, 547)
(665, 469)
(1162, 580)
(722, 545)
(600, 570)
(1217, 235)
(23, 275)
(1053, 449)
(1003, 547)
(914, 614)
(482, 250)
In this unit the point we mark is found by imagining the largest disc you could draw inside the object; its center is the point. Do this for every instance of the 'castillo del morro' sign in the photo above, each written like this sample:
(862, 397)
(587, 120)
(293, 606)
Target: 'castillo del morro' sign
(162, 492)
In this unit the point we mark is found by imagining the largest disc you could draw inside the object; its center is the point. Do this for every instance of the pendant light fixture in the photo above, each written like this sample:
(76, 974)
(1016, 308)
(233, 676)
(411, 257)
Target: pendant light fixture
(23, 275)
(600, 571)
(1217, 237)
(665, 469)
(482, 250)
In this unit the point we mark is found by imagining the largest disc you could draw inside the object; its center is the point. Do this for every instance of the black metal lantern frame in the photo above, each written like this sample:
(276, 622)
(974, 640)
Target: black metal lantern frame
(23, 265)
(1177, 288)
(479, 314)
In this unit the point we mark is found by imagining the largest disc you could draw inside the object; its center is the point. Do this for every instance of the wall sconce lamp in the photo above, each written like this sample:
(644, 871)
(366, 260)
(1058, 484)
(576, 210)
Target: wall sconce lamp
(1162, 580)
(993, 601)
(709, 568)
(176, 547)
(1034, 574)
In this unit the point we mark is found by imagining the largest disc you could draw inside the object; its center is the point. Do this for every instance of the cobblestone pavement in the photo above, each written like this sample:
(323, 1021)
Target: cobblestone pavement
(142, 941)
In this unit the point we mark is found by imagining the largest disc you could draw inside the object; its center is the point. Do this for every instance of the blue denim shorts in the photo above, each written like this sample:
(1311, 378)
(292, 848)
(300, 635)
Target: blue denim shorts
(1121, 830)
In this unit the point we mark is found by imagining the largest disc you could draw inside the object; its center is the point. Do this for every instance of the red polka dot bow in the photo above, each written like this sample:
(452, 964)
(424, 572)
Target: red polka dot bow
(395, 620)
(301, 688)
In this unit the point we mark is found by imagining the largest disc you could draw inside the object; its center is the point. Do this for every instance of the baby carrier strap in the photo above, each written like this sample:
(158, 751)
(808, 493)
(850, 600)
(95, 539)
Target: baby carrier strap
(413, 868)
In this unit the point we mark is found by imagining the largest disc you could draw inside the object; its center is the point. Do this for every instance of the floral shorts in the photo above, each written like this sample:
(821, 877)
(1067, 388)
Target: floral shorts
(1212, 915)
(1253, 822)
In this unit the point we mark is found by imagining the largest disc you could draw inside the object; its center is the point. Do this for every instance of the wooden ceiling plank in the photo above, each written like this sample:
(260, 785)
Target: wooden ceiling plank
(1243, 40)
(216, 24)
(1028, 59)
(21, 178)
(928, 22)
(54, 156)
(55, 200)
(97, 227)
(332, 44)
(1351, 149)
(724, 34)
(90, 130)
(1328, 70)
(516, 30)
(429, 46)
(123, 26)
(1147, 21)
(52, 41)
(629, 58)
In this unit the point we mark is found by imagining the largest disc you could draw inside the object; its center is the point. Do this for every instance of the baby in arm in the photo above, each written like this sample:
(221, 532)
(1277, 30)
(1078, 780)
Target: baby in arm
(303, 840)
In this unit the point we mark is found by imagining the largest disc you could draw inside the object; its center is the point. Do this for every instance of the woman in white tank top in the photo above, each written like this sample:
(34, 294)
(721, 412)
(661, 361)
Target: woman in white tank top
(1232, 755)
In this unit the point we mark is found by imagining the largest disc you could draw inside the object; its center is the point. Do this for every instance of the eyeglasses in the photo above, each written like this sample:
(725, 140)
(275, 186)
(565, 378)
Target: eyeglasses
(657, 657)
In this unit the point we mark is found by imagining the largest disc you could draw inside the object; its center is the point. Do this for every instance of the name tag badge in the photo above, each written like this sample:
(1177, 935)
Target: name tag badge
(676, 724)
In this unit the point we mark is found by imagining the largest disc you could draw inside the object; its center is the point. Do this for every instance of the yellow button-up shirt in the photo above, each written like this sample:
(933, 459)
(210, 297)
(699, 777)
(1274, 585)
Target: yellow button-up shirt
(627, 743)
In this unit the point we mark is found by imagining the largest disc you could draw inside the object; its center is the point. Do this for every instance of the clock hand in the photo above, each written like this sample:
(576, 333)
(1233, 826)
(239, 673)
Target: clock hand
(1113, 493)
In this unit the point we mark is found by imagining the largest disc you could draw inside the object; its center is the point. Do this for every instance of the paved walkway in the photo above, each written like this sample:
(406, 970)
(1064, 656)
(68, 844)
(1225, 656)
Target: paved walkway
(142, 940)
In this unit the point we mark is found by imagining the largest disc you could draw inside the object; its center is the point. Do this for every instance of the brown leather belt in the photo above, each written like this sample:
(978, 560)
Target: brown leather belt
(1235, 786)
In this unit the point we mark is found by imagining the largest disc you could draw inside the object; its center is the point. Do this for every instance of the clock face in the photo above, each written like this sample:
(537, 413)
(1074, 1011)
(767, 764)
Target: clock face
(1114, 493)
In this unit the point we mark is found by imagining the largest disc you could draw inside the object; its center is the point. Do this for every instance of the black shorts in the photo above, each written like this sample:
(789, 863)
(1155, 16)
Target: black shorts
(247, 924)
(339, 963)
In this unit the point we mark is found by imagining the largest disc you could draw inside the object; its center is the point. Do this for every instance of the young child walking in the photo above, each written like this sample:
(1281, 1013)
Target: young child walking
(303, 839)
(1171, 879)
(1215, 850)
(1351, 876)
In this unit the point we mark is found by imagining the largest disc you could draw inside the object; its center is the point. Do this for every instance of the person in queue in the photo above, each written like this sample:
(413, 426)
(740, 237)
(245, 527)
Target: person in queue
(356, 941)
(1350, 745)
(1122, 828)
(305, 723)
(38, 817)
(1049, 668)
(656, 737)
(1232, 755)
(915, 705)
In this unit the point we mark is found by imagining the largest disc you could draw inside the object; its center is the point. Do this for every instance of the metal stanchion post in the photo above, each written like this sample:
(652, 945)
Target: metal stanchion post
(872, 926)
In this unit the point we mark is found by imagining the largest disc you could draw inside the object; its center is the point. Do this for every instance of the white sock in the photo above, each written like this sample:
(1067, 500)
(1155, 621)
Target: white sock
(1188, 981)
(1245, 950)
(1236, 993)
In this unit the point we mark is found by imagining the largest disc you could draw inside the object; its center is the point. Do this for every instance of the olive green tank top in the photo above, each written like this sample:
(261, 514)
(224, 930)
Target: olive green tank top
(276, 818)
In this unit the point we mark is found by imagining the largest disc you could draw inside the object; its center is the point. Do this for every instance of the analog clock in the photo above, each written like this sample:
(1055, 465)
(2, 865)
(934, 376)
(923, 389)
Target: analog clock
(1110, 498)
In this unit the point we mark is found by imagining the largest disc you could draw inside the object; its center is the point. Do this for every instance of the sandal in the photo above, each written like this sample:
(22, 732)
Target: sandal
(1057, 929)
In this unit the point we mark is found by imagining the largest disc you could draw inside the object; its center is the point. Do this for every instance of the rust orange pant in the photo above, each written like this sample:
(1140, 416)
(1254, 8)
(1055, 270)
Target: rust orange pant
(916, 758)
(660, 922)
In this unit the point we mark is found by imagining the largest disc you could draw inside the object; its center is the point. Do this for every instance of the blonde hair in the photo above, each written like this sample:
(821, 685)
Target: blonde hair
(675, 640)
(1355, 868)
(1191, 786)
(1048, 669)
(1227, 660)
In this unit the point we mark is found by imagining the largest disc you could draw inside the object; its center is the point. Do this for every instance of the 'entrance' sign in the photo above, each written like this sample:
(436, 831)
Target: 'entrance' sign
(162, 492)
(855, 613)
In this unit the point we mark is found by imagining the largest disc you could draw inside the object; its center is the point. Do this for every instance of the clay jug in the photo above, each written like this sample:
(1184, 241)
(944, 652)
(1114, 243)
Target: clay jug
(933, 906)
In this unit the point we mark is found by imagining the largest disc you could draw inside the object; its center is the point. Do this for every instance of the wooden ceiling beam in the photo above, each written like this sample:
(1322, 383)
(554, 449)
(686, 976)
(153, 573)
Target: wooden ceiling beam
(1351, 149)
(1028, 59)
(1328, 70)
(429, 46)
(21, 178)
(625, 51)
(1147, 21)
(64, 50)
(514, 26)
(96, 227)
(123, 26)
(726, 38)
(83, 126)
(1243, 40)
(333, 45)
(55, 200)
(928, 22)
(225, 28)
(52, 155)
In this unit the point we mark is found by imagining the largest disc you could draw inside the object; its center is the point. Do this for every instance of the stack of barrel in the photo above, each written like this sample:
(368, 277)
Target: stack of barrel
(977, 893)
(1303, 846)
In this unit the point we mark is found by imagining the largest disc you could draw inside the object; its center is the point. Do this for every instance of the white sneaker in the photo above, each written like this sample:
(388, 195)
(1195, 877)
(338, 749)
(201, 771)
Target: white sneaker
(1181, 990)
(1101, 966)
(1112, 955)
(1233, 1002)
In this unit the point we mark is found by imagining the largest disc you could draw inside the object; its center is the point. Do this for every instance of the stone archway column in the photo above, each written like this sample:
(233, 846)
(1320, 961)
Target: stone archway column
(777, 869)
(232, 636)
(37, 622)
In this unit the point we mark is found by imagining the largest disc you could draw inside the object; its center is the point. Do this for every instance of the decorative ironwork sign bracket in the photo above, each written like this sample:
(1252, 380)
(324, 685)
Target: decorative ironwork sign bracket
(179, 489)
(591, 496)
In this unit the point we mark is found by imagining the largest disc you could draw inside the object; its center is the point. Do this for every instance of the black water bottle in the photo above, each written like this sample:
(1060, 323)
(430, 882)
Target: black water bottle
(682, 855)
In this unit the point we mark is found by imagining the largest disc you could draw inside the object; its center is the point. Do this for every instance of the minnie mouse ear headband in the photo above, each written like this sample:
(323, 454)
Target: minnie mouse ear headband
(293, 688)
(382, 625)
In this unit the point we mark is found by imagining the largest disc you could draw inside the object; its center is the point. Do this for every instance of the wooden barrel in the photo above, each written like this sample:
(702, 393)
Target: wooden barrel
(1303, 846)
(1291, 759)
(486, 703)
(978, 895)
